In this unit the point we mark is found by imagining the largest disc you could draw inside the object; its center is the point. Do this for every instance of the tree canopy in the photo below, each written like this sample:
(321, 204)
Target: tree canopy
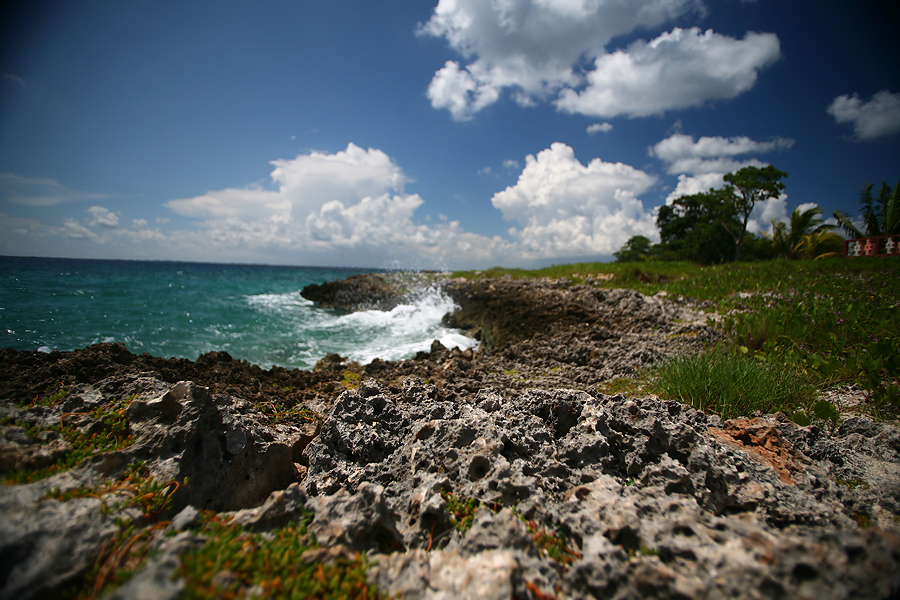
(744, 189)
(636, 249)
(711, 227)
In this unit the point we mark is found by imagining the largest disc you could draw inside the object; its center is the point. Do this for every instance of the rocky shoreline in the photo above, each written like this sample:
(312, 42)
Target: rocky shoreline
(496, 473)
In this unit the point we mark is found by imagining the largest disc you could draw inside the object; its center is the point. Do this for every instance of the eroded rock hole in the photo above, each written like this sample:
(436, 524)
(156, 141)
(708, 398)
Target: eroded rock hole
(479, 467)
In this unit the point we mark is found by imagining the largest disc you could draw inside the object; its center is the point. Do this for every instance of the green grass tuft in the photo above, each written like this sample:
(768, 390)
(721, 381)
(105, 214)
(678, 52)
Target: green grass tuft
(732, 385)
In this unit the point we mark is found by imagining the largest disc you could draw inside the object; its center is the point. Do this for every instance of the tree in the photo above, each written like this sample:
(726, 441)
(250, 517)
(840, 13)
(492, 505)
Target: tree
(821, 244)
(689, 229)
(635, 249)
(744, 189)
(711, 227)
(880, 216)
(804, 235)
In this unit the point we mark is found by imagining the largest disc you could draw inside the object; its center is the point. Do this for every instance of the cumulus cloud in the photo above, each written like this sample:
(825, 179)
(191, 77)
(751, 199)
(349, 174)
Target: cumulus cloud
(350, 204)
(715, 154)
(565, 208)
(74, 230)
(879, 117)
(702, 163)
(531, 45)
(542, 49)
(599, 128)
(679, 69)
(303, 184)
(695, 184)
(103, 217)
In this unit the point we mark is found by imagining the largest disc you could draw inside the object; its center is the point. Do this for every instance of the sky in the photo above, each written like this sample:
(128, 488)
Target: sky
(442, 134)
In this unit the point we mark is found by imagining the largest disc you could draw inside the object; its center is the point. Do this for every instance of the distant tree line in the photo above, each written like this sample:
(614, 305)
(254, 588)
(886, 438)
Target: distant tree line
(711, 227)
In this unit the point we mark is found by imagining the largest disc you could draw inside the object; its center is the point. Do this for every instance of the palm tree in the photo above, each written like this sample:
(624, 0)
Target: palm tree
(804, 234)
(821, 244)
(881, 216)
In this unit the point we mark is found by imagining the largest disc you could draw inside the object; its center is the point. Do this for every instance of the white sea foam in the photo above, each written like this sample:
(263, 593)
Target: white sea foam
(365, 335)
(403, 331)
(280, 303)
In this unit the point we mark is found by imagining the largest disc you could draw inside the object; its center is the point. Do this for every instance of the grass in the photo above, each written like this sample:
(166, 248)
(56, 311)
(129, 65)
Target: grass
(828, 322)
(732, 385)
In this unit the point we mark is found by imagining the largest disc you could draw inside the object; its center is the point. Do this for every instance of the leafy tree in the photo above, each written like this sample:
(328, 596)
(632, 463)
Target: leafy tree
(744, 189)
(806, 235)
(635, 249)
(881, 215)
(695, 227)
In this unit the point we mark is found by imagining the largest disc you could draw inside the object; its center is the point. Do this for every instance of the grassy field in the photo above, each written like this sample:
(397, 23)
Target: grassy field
(791, 327)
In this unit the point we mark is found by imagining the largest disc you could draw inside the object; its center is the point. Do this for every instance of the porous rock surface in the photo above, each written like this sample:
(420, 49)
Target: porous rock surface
(582, 495)
(653, 499)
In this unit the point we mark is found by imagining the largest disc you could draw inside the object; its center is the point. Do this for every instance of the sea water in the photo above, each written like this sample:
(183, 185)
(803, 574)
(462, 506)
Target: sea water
(179, 309)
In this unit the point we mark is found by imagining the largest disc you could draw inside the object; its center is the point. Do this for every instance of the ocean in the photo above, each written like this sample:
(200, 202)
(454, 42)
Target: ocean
(181, 309)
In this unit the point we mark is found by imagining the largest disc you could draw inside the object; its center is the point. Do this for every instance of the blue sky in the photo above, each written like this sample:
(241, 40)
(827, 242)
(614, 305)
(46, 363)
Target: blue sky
(443, 134)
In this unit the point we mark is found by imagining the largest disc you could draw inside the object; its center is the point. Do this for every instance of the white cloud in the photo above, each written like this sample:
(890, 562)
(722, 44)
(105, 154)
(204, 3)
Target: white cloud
(74, 230)
(103, 217)
(539, 49)
(879, 117)
(460, 92)
(679, 69)
(380, 221)
(764, 212)
(348, 204)
(304, 184)
(599, 128)
(531, 45)
(679, 147)
(701, 164)
(511, 163)
(688, 185)
(568, 209)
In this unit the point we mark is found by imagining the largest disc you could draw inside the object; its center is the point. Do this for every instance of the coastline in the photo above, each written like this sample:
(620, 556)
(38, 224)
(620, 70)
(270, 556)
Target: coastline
(517, 426)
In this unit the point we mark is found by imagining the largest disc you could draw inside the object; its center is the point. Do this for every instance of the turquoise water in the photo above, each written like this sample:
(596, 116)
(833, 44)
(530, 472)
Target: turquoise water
(253, 312)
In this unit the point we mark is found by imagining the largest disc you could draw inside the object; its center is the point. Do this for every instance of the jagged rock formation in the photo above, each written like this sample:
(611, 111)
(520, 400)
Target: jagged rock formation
(506, 475)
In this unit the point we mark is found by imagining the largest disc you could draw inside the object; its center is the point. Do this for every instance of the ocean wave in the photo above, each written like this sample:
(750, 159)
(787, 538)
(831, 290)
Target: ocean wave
(366, 335)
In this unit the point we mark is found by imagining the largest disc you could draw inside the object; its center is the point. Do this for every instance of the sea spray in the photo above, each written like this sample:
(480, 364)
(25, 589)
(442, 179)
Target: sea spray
(404, 330)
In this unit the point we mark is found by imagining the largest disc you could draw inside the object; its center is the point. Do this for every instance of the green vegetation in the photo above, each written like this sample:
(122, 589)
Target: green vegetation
(236, 563)
(134, 489)
(828, 322)
(806, 235)
(279, 412)
(881, 216)
(733, 385)
(549, 542)
(711, 227)
(54, 398)
(108, 432)
(462, 510)
(351, 379)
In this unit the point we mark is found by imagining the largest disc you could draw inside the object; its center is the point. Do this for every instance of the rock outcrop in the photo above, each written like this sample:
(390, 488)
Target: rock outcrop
(498, 473)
